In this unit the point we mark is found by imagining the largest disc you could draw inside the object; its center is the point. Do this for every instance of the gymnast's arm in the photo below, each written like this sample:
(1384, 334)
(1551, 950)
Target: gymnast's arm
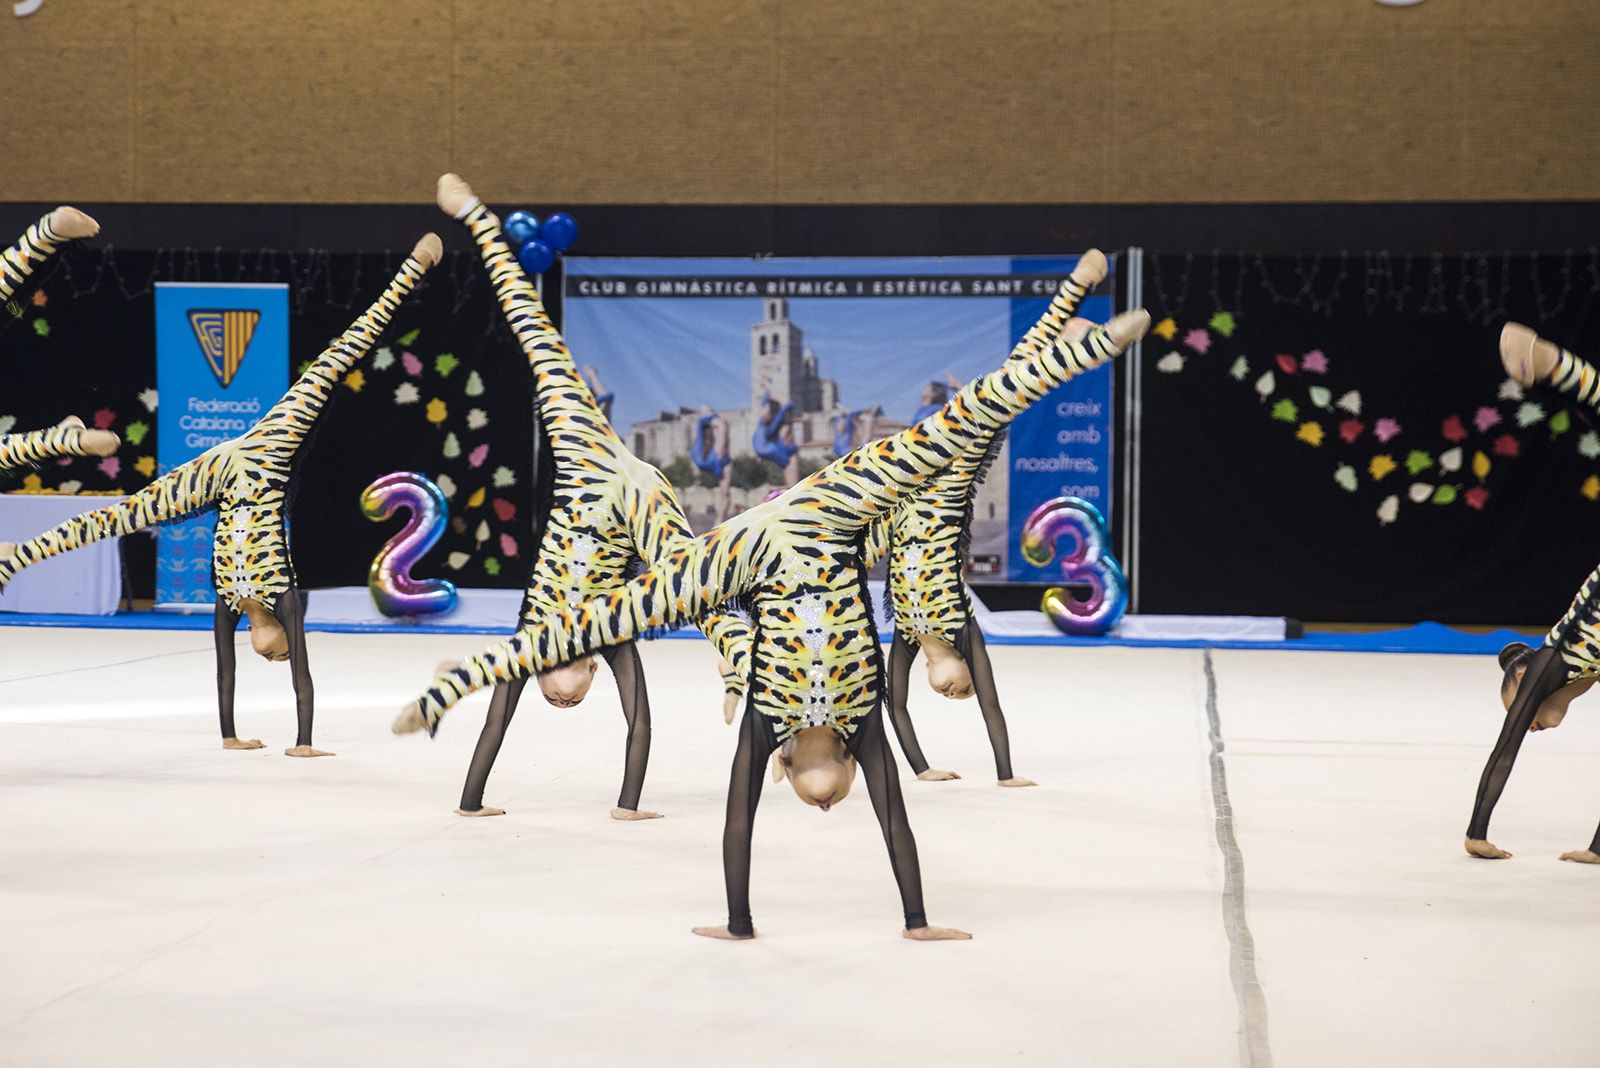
(1545, 675)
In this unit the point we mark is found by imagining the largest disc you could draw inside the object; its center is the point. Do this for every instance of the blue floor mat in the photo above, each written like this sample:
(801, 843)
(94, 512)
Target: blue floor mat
(1420, 638)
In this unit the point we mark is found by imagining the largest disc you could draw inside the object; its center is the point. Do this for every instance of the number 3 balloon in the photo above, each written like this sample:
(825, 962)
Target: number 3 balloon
(1088, 563)
(394, 591)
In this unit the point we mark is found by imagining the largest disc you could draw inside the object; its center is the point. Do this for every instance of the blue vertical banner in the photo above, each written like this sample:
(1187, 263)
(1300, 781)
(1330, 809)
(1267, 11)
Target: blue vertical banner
(1062, 446)
(222, 360)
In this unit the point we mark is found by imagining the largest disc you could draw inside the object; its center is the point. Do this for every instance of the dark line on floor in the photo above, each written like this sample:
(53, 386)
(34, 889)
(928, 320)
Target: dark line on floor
(1254, 1049)
(101, 667)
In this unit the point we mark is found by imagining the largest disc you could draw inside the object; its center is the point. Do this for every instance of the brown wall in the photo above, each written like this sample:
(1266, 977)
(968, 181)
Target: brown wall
(802, 101)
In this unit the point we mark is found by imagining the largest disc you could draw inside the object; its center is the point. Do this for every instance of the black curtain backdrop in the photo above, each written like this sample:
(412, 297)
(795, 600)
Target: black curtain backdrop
(1242, 512)
(447, 394)
(1333, 438)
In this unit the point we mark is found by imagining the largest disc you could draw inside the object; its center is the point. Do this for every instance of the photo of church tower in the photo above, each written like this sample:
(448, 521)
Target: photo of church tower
(783, 368)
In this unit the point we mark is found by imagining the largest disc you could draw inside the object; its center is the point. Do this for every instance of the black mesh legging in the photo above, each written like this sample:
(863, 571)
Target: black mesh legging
(871, 748)
(628, 670)
(1545, 674)
(969, 643)
(291, 612)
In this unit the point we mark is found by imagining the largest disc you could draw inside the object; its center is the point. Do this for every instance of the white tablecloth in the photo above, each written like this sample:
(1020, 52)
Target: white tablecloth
(87, 582)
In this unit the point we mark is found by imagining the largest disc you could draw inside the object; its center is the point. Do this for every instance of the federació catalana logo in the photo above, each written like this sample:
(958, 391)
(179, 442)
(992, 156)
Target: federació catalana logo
(224, 336)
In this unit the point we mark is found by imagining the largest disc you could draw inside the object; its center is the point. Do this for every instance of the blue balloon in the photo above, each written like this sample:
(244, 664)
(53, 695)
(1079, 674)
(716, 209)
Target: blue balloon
(521, 227)
(560, 231)
(536, 257)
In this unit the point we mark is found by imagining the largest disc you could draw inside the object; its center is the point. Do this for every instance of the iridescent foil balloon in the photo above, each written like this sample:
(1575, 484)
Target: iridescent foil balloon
(1088, 562)
(394, 591)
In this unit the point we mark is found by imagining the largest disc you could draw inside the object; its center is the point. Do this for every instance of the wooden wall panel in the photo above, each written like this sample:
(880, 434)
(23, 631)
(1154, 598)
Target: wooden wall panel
(628, 119)
(1523, 108)
(915, 131)
(67, 137)
(802, 101)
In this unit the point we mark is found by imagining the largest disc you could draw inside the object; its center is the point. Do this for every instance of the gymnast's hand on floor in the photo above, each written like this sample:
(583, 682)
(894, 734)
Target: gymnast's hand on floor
(722, 933)
(935, 775)
(628, 815)
(1480, 847)
(484, 810)
(1582, 856)
(242, 743)
(935, 934)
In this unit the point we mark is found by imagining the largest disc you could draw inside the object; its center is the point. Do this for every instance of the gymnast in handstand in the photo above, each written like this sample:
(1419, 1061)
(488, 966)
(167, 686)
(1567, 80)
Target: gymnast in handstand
(17, 263)
(709, 452)
(250, 481)
(601, 511)
(1538, 685)
(927, 536)
(773, 439)
(851, 429)
(798, 561)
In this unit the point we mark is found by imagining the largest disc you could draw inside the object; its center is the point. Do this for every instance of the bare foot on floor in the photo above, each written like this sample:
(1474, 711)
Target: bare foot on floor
(305, 751)
(1480, 847)
(1582, 856)
(631, 814)
(454, 195)
(722, 933)
(1017, 780)
(242, 743)
(935, 934)
(72, 224)
(935, 775)
(484, 811)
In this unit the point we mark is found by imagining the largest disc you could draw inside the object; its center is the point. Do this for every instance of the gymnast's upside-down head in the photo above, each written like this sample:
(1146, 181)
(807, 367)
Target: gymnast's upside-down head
(818, 766)
(567, 685)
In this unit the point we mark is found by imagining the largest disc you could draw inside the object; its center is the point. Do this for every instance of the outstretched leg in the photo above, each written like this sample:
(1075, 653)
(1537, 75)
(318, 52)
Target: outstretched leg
(291, 612)
(628, 670)
(849, 493)
(738, 828)
(1529, 358)
(67, 438)
(970, 643)
(561, 391)
(287, 422)
(502, 706)
(883, 786)
(184, 490)
(225, 629)
(38, 243)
